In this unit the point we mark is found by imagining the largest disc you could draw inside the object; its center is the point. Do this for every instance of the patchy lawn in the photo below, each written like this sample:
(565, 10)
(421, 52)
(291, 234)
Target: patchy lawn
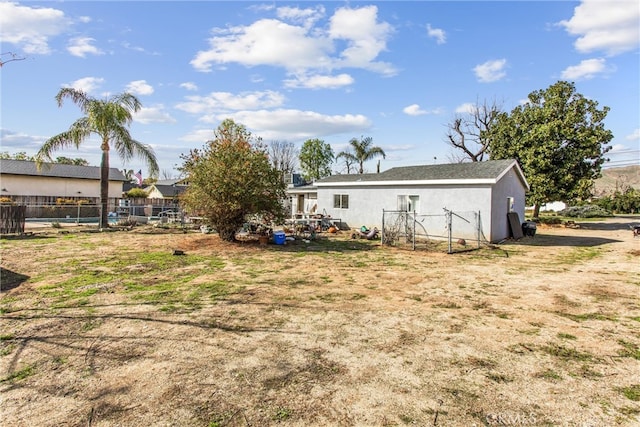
(112, 329)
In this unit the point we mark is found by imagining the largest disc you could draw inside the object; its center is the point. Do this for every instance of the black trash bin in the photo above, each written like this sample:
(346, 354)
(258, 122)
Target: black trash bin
(529, 228)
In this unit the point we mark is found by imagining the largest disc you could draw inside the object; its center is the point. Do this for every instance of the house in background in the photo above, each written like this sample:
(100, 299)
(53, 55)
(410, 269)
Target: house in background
(162, 196)
(302, 196)
(166, 189)
(21, 181)
(492, 188)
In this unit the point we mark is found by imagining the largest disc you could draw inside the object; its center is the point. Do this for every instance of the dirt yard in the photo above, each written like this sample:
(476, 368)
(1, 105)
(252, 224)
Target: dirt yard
(113, 329)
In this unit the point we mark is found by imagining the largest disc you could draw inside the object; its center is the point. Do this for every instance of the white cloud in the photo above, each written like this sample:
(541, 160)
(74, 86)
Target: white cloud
(414, 110)
(635, 136)
(265, 42)
(155, 114)
(307, 17)
(466, 108)
(299, 48)
(86, 84)
(220, 102)
(139, 87)
(30, 28)
(189, 86)
(319, 81)
(291, 125)
(366, 38)
(15, 142)
(490, 71)
(618, 148)
(297, 125)
(437, 34)
(81, 46)
(587, 69)
(198, 136)
(608, 26)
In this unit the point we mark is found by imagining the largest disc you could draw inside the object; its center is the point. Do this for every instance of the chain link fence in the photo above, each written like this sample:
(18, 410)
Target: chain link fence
(450, 231)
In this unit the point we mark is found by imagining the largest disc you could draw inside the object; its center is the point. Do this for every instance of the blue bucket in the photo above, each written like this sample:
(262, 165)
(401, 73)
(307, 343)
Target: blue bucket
(279, 238)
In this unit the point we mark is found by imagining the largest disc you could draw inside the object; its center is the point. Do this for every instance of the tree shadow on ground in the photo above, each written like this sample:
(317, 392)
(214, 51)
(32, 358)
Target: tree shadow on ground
(10, 279)
(610, 226)
(560, 240)
(324, 244)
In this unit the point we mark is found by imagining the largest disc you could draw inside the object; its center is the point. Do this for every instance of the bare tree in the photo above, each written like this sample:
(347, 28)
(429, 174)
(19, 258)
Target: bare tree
(469, 132)
(283, 156)
(11, 57)
(349, 165)
(167, 174)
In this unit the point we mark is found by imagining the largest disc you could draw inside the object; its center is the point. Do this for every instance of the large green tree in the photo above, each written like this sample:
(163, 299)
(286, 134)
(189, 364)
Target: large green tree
(362, 151)
(316, 157)
(559, 139)
(230, 178)
(69, 161)
(20, 155)
(109, 119)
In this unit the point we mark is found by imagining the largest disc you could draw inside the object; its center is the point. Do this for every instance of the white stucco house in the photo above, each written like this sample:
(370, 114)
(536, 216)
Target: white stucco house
(492, 188)
(21, 181)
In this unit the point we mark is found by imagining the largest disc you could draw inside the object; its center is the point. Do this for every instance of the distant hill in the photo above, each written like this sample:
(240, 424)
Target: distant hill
(620, 178)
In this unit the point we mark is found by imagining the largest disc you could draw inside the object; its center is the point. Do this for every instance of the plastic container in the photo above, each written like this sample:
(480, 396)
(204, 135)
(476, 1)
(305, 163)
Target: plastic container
(279, 238)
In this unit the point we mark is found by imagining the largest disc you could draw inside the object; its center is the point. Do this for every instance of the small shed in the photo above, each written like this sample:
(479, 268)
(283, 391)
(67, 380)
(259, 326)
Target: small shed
(493, 189)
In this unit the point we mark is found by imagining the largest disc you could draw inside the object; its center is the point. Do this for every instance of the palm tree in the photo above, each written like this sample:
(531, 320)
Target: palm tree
(362, 151)
(109, 119)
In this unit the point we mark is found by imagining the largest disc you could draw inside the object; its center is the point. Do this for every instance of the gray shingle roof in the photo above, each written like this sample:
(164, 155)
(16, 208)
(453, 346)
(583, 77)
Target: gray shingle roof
(56, 170)
(169, 191)
(491, 169)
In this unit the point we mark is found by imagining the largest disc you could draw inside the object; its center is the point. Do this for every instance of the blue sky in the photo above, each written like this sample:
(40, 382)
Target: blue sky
(396, 71)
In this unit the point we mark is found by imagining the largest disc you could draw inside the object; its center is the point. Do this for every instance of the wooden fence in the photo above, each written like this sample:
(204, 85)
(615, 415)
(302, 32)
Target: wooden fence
(12, 218)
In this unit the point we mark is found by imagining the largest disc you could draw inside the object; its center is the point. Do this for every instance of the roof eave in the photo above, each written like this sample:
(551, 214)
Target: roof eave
(484, 181)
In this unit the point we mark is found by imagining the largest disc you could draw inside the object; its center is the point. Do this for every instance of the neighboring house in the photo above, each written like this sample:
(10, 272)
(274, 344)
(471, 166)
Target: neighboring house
(492, 188)
(165, 191)
(25, 184)
(161, 196)
(302, 200)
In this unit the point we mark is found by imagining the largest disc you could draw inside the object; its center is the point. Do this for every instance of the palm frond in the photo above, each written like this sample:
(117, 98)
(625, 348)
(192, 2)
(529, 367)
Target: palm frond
(78, 97)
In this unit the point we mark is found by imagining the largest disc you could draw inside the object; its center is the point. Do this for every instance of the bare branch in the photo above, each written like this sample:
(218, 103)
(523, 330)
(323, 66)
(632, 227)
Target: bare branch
(13, 56)
(469, 132)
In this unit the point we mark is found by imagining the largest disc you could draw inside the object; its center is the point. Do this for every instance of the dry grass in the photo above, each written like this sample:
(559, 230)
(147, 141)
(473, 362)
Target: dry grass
(106, 329)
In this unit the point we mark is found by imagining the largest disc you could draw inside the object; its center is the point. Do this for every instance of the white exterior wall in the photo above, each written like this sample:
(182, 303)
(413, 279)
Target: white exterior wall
(366, 203)
(25, 185)
(309, 203)
(154, 193)
(508, 186)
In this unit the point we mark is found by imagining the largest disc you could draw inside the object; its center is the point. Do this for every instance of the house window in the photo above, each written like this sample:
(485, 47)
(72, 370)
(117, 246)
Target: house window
(408, 203)
(341, 201)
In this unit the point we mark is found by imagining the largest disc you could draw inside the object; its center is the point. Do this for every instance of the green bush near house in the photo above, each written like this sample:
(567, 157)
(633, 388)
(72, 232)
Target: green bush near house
(136, 193)
(585, 211)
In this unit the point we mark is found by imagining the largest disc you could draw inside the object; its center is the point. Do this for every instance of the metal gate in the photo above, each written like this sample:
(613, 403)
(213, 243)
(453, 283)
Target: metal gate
(449, 231)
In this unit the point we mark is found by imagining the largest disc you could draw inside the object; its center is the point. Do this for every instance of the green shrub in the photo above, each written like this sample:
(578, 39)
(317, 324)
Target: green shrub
(627, 201)
(136, 193)
(585, 211)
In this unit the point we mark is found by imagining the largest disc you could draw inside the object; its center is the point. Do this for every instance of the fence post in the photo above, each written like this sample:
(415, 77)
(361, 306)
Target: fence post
(382, 231)
(413, 238)
(478, 227)
(449, 226)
